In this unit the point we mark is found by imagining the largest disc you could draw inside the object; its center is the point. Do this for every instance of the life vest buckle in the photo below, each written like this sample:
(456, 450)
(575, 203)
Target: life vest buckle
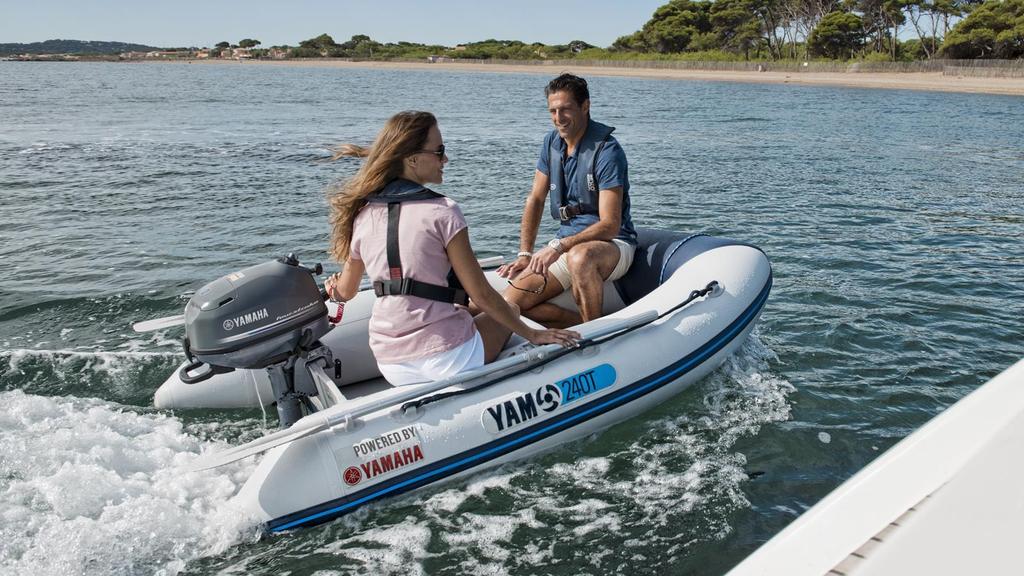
(568, 212)
(394, 287)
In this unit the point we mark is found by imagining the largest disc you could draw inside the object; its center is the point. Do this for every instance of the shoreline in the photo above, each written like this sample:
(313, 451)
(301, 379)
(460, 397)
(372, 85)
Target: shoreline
(919, 81)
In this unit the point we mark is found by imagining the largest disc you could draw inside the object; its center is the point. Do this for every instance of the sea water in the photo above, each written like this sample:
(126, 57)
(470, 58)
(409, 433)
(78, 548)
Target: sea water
(893, 220)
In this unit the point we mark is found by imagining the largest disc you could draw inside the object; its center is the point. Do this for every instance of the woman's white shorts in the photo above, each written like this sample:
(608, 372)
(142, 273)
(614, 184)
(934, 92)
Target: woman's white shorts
(463, 357)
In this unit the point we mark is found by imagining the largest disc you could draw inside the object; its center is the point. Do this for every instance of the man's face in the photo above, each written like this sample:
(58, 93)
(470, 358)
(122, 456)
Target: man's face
(569, 118)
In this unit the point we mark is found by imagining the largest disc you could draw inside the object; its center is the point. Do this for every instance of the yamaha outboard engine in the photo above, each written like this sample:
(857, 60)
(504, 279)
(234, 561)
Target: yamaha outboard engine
(270, 316)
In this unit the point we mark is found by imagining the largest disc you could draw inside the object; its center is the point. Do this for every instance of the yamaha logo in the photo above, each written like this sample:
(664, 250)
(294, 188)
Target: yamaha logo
(388, 462)
(246, 319)
(518, 410)
(521, 409)
(352, 476)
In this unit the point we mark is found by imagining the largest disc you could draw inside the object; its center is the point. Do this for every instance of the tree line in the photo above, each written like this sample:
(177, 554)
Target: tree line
(72, 47)
(757, 29)
(706, 30)
(836, 29)
(362, 46)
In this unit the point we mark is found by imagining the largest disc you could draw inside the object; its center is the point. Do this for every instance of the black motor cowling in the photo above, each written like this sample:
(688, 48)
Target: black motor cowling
(253, 318)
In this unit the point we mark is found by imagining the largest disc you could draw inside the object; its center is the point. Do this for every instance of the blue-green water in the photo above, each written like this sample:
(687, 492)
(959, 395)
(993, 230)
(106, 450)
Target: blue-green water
(893, 219)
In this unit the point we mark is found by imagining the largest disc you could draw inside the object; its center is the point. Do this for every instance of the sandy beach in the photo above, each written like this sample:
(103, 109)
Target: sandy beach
(931, 81)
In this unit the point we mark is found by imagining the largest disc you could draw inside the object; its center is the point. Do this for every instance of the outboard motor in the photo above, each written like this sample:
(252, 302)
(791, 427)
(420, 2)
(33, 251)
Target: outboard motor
(269, 316)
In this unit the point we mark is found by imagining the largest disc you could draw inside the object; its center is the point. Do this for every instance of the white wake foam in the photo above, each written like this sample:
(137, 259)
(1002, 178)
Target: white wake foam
(95, 360)
(87, 487)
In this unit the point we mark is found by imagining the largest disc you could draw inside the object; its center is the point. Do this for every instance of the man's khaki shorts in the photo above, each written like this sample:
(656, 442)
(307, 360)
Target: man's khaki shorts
(560, 269)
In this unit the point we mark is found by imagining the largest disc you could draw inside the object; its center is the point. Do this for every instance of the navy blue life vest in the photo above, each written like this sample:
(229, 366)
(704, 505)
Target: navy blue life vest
(397, 284)
(577, 214)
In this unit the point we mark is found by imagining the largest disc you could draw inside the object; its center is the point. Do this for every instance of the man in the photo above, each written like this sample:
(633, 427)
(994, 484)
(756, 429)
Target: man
(585, 170)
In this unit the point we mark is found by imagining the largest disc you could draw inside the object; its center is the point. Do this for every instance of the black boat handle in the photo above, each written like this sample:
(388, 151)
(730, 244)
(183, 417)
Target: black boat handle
(210, 372)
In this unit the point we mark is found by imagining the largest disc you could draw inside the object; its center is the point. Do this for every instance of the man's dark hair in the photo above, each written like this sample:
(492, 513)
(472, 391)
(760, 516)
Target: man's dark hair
(572, 84)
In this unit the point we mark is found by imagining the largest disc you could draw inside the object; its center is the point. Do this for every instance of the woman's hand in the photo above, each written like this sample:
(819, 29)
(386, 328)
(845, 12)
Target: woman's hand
(331, 286)
(566, 338)
(344, 285)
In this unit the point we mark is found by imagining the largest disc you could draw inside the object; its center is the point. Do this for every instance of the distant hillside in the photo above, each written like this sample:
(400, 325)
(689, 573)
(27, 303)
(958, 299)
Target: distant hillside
(72, 47)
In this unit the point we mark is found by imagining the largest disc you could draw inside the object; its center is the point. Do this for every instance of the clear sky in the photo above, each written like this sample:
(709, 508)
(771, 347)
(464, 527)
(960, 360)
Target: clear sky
(206, 22)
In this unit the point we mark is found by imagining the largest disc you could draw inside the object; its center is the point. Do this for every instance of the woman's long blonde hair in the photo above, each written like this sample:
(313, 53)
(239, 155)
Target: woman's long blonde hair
(403, 135)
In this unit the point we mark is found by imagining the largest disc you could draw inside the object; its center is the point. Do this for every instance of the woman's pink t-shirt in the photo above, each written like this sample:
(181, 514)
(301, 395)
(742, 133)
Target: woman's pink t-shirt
(404, 328)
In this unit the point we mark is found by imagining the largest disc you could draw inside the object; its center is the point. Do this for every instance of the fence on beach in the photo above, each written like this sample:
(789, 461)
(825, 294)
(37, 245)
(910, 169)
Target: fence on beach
(985, 68)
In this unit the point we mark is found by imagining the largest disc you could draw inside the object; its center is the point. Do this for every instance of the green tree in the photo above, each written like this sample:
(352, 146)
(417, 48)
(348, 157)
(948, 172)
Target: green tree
(772, 17)
(632, 42)
(218, 48)
(919, 49)
(248, 43)
(993, 30)
(319, 46)
(359, 46)
(837, 35)
(674, 25)
(735, 25)
(577, 46)
(355, 42)
(671, 29)
(882, 20)
(801, 16)
(930, 19)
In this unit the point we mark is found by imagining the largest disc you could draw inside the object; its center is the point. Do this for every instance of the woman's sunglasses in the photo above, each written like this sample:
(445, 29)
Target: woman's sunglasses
(540, 290)
(439, 152)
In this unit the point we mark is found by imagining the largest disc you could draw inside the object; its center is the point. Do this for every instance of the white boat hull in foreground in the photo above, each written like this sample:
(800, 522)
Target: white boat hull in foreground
(946, 500)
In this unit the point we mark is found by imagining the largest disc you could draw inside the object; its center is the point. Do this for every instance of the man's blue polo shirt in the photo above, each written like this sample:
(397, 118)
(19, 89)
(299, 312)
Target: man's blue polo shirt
(611, 170)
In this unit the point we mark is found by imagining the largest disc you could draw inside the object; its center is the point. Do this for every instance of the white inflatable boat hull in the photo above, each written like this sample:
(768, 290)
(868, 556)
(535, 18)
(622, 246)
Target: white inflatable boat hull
(391, 451)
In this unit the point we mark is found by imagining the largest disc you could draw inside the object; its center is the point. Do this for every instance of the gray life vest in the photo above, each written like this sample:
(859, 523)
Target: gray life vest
(397, 284)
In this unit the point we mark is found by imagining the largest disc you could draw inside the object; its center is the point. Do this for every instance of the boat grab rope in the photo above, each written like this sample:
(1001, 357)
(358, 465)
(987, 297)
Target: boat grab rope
(580, 345)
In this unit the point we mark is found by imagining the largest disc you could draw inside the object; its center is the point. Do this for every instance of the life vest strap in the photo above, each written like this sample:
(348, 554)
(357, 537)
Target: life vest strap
(411, 287)
(394, 257)
(399, 285)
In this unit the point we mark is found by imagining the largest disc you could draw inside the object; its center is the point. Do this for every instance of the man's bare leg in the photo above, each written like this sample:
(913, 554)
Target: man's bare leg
(536, 306)
(553, 315)
(590, 264)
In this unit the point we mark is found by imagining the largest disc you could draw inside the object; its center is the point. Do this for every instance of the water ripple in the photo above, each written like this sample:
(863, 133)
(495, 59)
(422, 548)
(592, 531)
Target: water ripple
(892, 220)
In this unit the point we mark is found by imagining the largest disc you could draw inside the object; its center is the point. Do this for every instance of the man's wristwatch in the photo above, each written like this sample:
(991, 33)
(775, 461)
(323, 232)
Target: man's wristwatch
(556, 245)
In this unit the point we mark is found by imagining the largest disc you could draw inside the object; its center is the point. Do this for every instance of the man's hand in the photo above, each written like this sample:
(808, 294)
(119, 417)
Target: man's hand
(513, 268)
(543, 260)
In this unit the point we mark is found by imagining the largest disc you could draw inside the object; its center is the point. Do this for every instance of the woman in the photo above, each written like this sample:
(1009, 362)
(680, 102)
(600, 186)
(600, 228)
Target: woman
(414, 338)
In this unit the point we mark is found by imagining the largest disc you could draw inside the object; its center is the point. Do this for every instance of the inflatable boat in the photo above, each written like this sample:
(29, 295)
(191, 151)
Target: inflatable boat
(263, 336)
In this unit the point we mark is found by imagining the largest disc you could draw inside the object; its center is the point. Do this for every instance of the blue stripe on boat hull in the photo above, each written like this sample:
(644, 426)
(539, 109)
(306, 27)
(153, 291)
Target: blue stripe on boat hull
(502, 446)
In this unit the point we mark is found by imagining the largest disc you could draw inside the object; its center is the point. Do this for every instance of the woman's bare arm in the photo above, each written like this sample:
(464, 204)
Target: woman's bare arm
(343, 286)
(468, 270)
